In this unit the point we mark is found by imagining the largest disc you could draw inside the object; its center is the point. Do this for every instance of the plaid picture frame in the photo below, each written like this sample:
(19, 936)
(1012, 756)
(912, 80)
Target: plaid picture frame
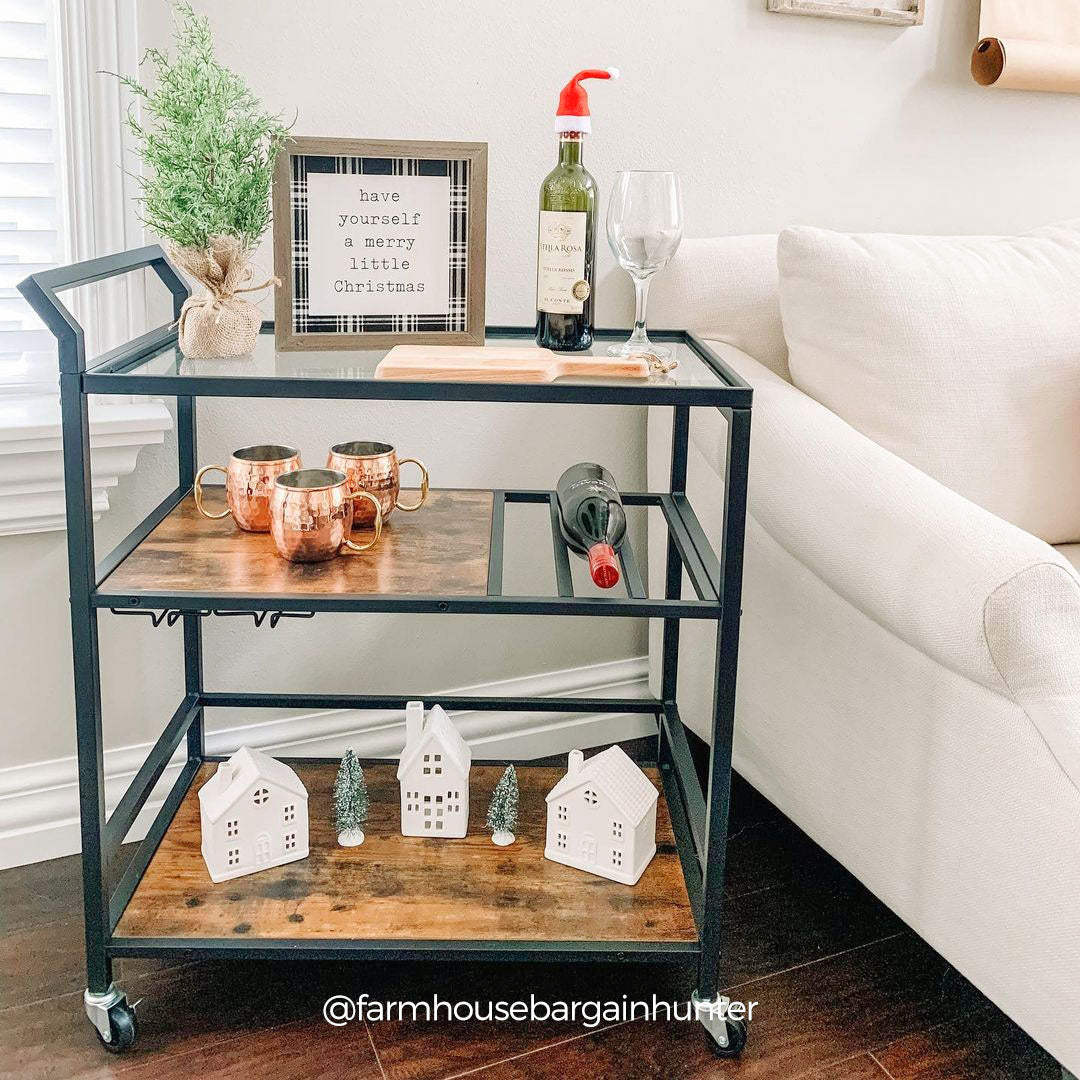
(465, 164)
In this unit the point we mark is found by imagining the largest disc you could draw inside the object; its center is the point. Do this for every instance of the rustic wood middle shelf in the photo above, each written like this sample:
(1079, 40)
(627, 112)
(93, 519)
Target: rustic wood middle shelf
(441, 549)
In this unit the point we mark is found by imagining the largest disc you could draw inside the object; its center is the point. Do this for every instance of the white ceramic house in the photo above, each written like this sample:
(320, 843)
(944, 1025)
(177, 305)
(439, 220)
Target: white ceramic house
(434, 775)
(601, 816)
(254, 815)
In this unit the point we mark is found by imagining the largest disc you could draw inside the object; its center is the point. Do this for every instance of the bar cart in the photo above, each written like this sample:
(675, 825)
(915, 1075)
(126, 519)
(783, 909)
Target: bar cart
(164, 903)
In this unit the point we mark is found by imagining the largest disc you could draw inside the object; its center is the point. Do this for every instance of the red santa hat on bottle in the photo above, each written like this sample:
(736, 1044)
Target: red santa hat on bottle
(573, 111)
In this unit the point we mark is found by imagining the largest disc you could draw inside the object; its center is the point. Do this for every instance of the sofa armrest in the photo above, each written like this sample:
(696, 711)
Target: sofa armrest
(980, 596)
(1032, 626)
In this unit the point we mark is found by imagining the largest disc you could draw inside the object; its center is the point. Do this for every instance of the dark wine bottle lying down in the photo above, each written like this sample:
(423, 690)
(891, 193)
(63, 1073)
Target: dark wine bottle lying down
(592, 519)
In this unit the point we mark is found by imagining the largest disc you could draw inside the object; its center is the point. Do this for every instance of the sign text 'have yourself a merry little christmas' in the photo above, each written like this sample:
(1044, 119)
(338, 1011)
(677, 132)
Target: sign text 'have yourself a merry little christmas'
(378, 245)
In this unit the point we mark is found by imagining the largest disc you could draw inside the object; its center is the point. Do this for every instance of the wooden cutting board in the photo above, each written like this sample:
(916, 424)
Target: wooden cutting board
(500, 363)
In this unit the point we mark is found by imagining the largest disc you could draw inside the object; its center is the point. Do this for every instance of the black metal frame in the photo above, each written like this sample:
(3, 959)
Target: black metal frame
(699, 817)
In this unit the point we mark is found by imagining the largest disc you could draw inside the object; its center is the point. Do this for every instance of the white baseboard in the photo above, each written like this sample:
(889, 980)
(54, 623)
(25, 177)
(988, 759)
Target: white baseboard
(39, 803)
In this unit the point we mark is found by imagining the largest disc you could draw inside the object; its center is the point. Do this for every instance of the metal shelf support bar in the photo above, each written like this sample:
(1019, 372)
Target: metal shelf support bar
(635, 587)
(451, 702)
(700, 542)
(562, 560)
(133, 800)
(139, 533)
(723, 720)
(149, 844)
(687, 553)
(690, 793)
(495, 546)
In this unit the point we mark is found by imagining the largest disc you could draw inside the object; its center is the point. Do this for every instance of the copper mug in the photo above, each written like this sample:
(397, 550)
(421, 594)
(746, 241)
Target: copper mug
(249, 479)
(374, 467)
(311, 515)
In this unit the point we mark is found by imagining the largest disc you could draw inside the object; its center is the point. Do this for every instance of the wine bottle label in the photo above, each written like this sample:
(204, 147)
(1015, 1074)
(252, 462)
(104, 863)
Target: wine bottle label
(592, 482)
(561, 286)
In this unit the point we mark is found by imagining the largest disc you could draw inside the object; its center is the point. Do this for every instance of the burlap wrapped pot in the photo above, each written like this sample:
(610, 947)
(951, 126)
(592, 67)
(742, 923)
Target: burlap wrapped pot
(219, 322)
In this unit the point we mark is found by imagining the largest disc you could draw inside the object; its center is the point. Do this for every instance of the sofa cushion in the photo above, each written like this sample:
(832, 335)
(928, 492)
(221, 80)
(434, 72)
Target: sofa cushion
(959, 354)
(724, 288)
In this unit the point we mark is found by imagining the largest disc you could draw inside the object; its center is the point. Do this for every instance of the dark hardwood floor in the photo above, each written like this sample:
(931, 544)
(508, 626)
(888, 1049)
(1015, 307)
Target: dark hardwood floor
(844, 991)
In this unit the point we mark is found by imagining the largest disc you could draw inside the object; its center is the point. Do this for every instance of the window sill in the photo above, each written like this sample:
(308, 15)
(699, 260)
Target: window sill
(31, 455)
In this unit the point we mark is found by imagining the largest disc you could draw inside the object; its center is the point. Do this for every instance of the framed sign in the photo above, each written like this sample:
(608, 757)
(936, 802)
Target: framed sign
(379, 243)
(887, 12)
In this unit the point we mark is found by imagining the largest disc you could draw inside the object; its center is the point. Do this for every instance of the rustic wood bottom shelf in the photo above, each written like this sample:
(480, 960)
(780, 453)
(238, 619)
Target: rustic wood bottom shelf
(409, 889)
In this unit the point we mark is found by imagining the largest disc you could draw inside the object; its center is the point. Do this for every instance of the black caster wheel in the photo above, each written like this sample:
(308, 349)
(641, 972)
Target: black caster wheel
(736, 1035)
(122, 1029)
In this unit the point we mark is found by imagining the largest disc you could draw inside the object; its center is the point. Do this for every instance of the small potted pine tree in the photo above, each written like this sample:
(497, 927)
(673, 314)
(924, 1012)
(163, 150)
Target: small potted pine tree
(350, 801)
(208, 147)
(502, 814)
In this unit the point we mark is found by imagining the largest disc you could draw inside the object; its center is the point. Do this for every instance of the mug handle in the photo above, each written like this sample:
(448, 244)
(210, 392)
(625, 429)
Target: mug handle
(423, 485)
(378, 523)
(199, 493)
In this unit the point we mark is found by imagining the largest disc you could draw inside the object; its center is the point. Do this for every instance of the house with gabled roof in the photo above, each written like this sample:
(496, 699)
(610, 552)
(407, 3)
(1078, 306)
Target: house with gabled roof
(254, 815)
(601, 816)
(433, 772)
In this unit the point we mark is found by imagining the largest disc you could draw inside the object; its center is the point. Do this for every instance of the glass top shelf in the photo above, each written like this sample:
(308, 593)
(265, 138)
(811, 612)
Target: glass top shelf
(701, 377)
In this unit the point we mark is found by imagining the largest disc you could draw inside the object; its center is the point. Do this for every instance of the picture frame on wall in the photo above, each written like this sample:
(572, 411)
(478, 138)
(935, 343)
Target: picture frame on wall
(379, 243)
(884, 12)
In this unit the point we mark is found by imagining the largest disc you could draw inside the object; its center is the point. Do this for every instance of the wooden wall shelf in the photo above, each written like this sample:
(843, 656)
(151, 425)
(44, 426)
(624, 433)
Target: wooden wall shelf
(409, 888)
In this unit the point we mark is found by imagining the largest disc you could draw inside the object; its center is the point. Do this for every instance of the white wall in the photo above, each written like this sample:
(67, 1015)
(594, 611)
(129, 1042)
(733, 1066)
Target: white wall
(770, 120)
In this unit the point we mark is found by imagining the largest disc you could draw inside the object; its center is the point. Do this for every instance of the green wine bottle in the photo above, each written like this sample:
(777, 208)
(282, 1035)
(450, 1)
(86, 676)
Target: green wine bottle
(566, 238)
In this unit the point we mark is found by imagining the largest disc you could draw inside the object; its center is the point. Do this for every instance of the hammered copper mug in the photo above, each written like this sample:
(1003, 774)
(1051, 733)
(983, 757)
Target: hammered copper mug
(311, 515)
(249, 480)
(374, 467)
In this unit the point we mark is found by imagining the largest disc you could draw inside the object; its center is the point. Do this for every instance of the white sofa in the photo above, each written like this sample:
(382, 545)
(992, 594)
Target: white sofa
(909, 682)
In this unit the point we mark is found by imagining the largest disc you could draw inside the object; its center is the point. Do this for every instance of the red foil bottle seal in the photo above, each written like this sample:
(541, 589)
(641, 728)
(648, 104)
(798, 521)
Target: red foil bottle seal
(603, 566)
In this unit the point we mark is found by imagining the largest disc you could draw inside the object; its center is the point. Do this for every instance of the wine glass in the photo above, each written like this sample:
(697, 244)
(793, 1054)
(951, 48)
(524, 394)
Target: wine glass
(644, 227)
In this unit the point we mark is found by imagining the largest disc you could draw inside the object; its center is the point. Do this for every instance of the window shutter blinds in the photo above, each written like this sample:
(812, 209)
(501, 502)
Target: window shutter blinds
(30, 224)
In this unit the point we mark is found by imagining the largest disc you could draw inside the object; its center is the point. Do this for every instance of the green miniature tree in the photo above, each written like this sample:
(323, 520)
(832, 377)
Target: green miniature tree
(502, 814)
(350, 801)
(208, 148)
(208, 142)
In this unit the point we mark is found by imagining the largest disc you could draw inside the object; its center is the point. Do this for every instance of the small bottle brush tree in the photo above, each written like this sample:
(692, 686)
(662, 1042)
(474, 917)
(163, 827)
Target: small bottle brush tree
(502, 814)
(350, 801)
(209, 148)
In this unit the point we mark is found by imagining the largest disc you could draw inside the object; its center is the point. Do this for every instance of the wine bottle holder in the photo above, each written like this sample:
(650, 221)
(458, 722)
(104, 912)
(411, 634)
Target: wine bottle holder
(685, 530)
